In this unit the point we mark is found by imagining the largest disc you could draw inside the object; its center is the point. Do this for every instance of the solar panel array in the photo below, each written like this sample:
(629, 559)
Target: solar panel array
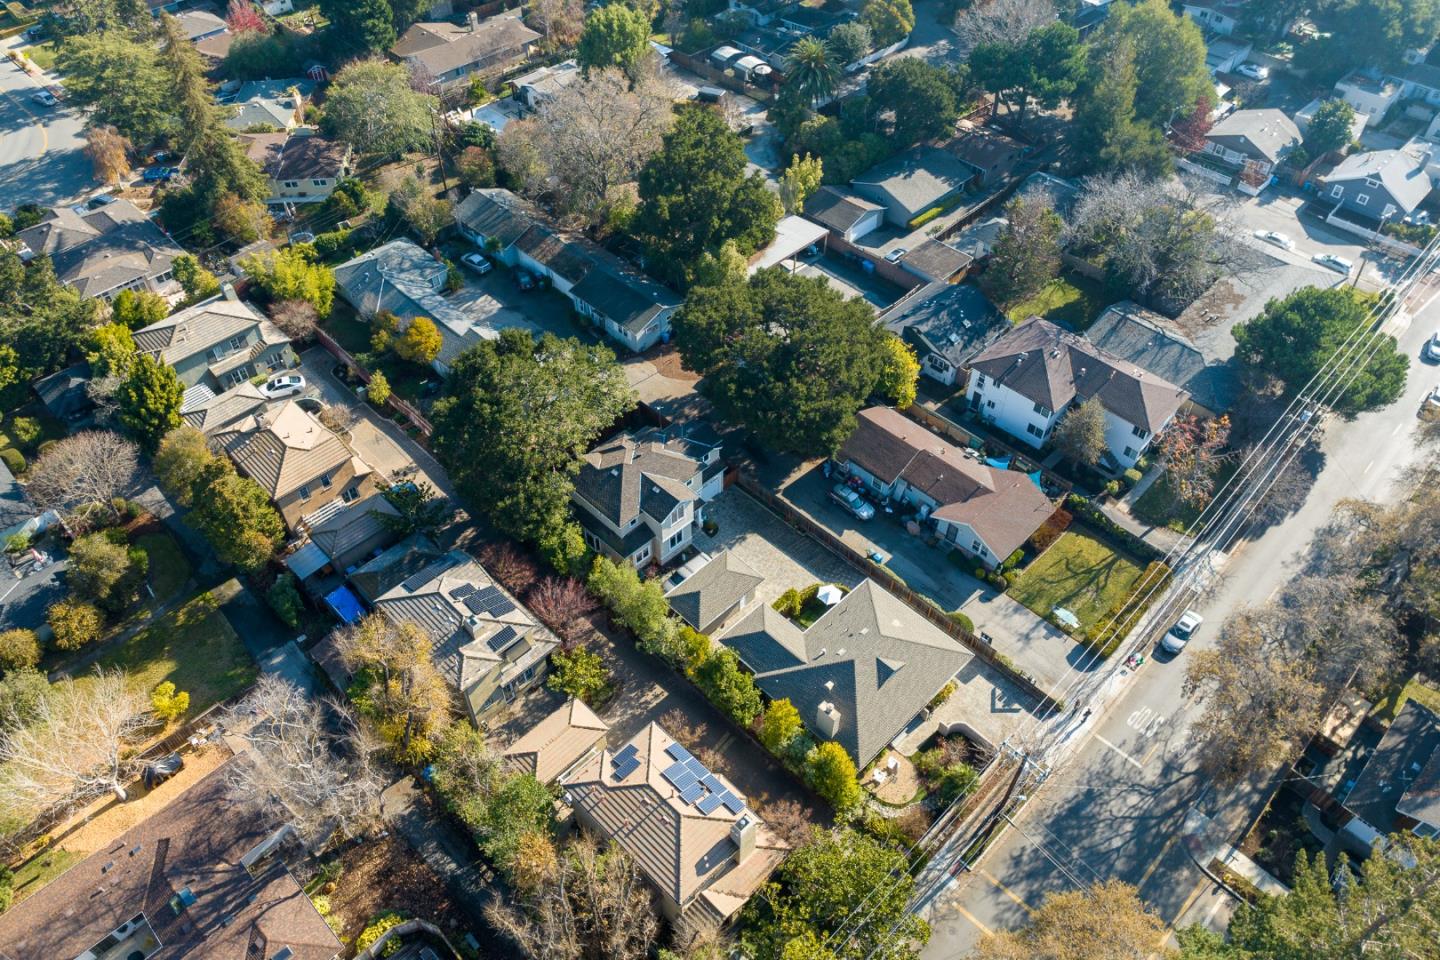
(417, 580)
(625, 762)
(503, 639)
(697, 785)
(486, 600)
(462, 591)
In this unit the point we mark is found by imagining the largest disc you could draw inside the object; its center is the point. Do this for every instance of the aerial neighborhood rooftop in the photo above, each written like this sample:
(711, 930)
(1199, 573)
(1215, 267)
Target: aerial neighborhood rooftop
(768, 479)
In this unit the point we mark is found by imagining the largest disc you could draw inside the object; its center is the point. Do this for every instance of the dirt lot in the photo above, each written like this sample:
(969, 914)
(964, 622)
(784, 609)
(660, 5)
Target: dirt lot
(387, 875)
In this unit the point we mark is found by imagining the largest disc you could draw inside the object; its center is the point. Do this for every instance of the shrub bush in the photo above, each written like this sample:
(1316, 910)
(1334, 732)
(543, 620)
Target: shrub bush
(1112, 488)
(19, 648)
(1012, 561)
(1050, 530)
(963, 619)
(75, 623)
(13, 459)
(1132, 477)
(999, 581)
(943, 694)
(331, 244)
(284, 598)
(788, 603)
(25, 430)
(322, 904)
(377, 928)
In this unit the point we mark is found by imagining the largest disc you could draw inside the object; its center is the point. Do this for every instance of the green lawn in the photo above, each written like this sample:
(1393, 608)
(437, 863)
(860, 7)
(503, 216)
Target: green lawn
(1158, 506)
(169, 570)
(193, 647)
(1390, 705)
(1072, 301)
(40, 870)
(42, 54)
(1080, 573)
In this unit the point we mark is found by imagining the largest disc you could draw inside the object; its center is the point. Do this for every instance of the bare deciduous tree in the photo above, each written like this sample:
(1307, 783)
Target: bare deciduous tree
(790, 821)
(590, 139)
(312, 762)
(596, 905)
(1007, 22)
(109, 153)
(563, 603)
(77, 746)
(295, 318)
(1165, 241)
(560, 20)
(96, 466)
(504, 561)
(677, 723)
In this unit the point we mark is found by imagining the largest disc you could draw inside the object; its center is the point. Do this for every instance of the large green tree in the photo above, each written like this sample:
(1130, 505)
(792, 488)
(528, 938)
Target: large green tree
(1107, 135)
(1293, 339)
(517, 416)
(1169, 58)
(814, 896)
(695, 195)
(42, 321)
(1376, 32)
(889, 20)
(811, 69)
(120, 82)
(785, 355)
(1045, 68)
(1027, 255)
(372, 106)
(922, 99)
(149, 401)
(1329, 128)
(616, 35)
(235, 515)
(360, 26)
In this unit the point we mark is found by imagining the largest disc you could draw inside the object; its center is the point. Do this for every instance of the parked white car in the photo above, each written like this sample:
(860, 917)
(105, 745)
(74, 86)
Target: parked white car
(478, 263)
(1180, 634)
(1431, 350)
(1333, 262)
(1254, 71)
(894, 255)
(1275, 237)
(45, 98)
(285, 385)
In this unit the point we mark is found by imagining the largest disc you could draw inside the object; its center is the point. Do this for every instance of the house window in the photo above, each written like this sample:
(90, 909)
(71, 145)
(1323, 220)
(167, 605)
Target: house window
(1336, 190)
(1041, 409)
(319, 183)
(236, 343)
(990, 404)
(1362, 200)
(1140, 432)
(675, 538)
(1372, 183)
(351, 493)
(979, 381)
(1034, 431)
(326, 479)
(976, 546)
(304, 492)
(236, 377)
(1130, 453)
(291, 184)
(642, 554)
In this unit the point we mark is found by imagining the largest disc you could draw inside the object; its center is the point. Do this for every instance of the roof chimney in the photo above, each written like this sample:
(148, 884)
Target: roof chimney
(743, 834)
(827, 720)
(228, 289)
(472, 20)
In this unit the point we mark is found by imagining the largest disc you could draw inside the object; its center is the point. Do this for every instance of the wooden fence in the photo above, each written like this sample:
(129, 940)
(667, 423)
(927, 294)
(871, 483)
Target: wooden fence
(888, 579)
(407, 410)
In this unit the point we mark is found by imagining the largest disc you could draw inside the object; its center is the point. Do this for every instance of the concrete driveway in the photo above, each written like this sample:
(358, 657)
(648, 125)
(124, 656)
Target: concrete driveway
(542, 311)
(1036, 646)
(41, 148)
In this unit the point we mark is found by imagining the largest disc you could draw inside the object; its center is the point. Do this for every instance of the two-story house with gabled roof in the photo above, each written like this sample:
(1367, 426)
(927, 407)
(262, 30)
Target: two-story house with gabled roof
(101, 252)
(637, 496)
(296, 459)
(486, 645)
(220, 343)
(1029, 378)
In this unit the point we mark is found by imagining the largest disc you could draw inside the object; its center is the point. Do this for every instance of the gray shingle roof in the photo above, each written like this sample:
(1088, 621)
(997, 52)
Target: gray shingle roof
(210, 412)
(875, 659)
(197, 329)
(1402, 174)
(713, 590)
(352, 525)
(956, 322)
(1144, 338)
(444, 47)
(100, 250)
(1051, 366)
(637, 473)
(1396, 773)
(918, 178)
(935, 260)
(837, 209)
(377, 576)
(1266, 134)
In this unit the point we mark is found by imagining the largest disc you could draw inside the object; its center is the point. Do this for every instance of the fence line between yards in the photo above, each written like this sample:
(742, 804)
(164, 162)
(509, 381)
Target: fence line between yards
(892, 582)
(408, 410)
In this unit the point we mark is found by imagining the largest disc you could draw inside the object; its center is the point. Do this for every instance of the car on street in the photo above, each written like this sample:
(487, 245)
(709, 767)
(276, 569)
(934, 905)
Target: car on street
(856, 505)
(1333, 262)
(158, 174)
(1254, 71)
(478, 263)
(1431, 350)
(45, 98)
(1276, 238)
(894, 255)
(1177, 636)
(285, 385)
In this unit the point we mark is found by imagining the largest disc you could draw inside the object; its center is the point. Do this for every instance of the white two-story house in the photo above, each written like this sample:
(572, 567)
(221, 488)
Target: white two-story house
(639, 496)
(1026, 381)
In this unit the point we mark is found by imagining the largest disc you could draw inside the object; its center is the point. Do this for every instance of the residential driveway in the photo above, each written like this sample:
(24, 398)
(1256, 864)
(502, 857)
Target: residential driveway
(269, 641)
(781, 554)
(379, 441)
(445, 848)
(1034, 645)
(542, 311)
(26, 593)
(660, 381)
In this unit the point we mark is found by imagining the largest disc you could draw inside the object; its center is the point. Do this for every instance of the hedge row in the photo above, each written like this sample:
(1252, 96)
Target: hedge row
(1105, 635)
(1097, 518)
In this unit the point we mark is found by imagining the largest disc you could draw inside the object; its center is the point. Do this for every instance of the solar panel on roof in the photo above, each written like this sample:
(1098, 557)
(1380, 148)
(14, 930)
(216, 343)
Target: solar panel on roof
(713, 782)
(732, 803)
(709, 804)
(692, 793)
(462, 591)
(503, 639)
(674, 770)
(502, 608)
(417, 580)
(626, 767)
(628, 751)
(697, 768)
(482, 599)
(680, 776)
(678, 752)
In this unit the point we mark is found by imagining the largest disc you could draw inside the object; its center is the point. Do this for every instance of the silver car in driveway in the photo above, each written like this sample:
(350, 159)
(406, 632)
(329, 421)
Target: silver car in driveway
(853, 503)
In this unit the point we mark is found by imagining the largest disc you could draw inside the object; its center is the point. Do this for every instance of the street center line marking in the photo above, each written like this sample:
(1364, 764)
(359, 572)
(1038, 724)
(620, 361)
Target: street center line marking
(1119, 751)
(1154, 864)
(971, 917)
(1003, 889)
(1367, 468)
(1214, 909)
(1398, 428)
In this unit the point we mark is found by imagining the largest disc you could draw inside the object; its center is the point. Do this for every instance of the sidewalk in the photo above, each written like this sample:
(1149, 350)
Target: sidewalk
(1161, 538)
(1207, 840)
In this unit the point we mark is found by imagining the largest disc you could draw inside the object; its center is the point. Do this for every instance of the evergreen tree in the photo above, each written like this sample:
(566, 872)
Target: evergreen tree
(361, 26)
(149, 401)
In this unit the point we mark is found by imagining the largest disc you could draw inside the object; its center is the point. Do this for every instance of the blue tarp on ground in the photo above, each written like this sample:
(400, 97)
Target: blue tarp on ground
(999, 463)
(346, 605)
(1035, 478)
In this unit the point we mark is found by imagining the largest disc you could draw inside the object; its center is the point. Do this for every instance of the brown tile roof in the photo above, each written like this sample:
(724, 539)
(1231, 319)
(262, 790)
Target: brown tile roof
(285, 448)
(1003, 506)
(196, 842)
(444, 47)
(686, 854)
(1052, 366)
(550, 747)
(196, 329)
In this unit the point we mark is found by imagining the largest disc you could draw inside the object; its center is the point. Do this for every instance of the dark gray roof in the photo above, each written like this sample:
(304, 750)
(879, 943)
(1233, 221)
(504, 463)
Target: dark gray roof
(838, 209)
(15, 506)
(957, 322)
(918, 177)
(1051, 366)
(1144, 338)
(934, 260)
(354, 525)
(1059, 192)
(498, 214)
(96, 251)
(1265, 134)
(638, 473)
(64, 393)
(444, 47)
(711, 592)
(624, 546)
(876, 660)
(400, 562)
(1395, 768)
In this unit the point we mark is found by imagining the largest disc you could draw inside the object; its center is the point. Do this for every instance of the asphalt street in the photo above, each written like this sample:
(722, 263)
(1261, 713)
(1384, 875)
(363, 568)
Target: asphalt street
(42, 157)
(1116, 807)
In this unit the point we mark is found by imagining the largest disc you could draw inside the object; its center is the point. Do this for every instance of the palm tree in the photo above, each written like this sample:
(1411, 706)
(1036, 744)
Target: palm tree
(811, 70)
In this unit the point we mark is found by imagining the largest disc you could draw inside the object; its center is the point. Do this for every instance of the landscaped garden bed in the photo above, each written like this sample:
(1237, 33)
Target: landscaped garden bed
(377, 876)
(1279, 835)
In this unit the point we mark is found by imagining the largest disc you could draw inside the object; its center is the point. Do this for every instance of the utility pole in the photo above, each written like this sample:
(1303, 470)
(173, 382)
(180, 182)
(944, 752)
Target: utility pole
(439, 156)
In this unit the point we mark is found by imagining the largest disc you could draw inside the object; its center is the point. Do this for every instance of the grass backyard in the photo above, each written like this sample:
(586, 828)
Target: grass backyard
(1159, 507)
(1081, 573)
(40, 870)
(194, 647)
(169, 570)
(1072, 301)
(1388, 706)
